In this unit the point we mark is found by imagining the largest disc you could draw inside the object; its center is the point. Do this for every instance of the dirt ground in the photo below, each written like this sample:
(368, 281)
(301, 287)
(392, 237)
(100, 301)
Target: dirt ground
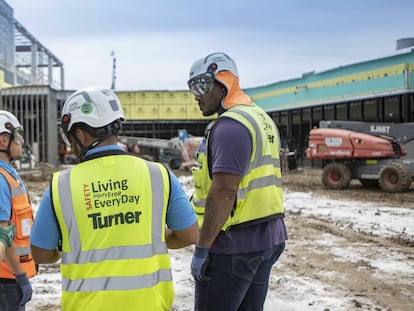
(358, 280)
(310, 180)
(307, 256)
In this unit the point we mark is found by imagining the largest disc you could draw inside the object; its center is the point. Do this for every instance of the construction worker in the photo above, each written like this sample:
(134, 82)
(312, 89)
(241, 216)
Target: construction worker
(243, 231)
(15, 207)
(114, 215)
(6, 239)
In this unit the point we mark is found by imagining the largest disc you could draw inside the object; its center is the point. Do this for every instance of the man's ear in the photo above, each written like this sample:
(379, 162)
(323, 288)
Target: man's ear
(224, 92)
(82, 135)
(4, 139)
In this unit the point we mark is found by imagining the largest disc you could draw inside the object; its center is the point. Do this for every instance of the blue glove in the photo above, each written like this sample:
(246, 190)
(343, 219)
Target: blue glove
(25, 288)
(7, 235)
(198, 264)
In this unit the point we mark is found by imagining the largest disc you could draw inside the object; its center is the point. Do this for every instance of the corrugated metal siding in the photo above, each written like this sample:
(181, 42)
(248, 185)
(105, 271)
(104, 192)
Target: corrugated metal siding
(36, 109)
(379, 77)
(159, 105)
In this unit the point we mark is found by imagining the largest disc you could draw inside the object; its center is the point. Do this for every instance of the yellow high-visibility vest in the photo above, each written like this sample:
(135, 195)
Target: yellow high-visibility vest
(112, 215)
(201, 181)
(260, 193)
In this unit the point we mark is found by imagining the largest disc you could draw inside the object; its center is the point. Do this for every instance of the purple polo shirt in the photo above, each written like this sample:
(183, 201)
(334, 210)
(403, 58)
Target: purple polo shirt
(230, 146)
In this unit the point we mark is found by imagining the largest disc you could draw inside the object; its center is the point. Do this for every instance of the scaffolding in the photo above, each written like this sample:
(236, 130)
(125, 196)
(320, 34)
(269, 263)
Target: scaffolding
(34, 63)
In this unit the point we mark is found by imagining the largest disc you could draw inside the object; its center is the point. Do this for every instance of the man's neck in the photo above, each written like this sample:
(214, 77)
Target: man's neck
(4, 156)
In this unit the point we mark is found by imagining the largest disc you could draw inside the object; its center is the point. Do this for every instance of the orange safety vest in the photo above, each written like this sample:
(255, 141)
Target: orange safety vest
(22, 217)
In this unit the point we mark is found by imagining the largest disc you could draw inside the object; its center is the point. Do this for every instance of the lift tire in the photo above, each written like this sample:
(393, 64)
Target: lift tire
(174, 163)
(369, 183)
(336, 176)
(395, 177)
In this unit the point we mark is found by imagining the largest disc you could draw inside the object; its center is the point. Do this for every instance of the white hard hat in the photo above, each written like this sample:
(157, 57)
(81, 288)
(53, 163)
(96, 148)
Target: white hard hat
(213, 63)
(96, 107)
(204, 70)
(8, 122)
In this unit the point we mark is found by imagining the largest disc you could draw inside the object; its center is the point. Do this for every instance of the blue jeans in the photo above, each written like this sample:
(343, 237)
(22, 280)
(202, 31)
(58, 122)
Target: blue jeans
(10, 297)
(237, 282)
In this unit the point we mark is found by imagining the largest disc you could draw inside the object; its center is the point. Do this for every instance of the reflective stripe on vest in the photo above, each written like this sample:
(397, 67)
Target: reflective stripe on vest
(22, 217)
(202, 184)
(118, 269)
(259, 160)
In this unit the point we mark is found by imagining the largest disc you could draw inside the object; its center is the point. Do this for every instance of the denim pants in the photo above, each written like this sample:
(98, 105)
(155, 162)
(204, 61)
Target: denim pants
(237, 282)
(9, 297)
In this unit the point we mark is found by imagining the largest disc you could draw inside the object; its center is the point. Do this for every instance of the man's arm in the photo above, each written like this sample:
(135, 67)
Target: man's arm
(12, 260)
(182, 223)
(11, 257)
(41, 255)
(230, 147)
(3, 250)
(182, 238)
(24, 287)
(45, 234)
(220, 202)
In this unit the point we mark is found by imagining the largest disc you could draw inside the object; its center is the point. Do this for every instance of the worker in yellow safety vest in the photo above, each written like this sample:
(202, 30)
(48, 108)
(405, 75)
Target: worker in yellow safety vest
(238, 192)
(114, 215)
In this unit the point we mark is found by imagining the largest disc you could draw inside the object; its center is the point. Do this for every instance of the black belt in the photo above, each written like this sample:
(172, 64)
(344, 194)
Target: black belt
(8, 281)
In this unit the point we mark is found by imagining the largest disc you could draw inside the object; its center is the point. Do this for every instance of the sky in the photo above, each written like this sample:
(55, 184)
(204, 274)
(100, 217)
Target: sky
(290, 288)
(155, 42)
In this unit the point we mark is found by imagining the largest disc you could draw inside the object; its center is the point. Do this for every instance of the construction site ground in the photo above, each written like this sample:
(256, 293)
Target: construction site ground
(359, 283)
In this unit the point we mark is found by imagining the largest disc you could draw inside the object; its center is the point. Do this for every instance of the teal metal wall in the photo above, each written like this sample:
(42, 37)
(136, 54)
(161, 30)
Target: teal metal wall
(385, 76)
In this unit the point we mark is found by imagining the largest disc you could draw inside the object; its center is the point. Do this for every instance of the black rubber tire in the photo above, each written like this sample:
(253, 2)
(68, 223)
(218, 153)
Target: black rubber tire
(395, 177)
(369, 183)
(174, 163)
(336, 176)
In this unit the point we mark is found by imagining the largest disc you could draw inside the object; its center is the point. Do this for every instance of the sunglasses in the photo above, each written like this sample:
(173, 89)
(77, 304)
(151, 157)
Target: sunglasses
(201, 84)
(17, 135)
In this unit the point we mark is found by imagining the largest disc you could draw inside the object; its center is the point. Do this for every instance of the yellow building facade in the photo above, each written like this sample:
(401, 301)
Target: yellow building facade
(159, 105)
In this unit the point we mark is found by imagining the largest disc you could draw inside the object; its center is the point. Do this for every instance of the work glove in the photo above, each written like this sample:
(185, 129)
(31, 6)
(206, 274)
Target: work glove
(25, 287)
(7, 235)
(199, 263)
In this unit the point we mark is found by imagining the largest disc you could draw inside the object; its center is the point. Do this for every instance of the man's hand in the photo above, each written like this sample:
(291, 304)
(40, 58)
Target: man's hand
(198, 264)
(25, 288)
(7, 235)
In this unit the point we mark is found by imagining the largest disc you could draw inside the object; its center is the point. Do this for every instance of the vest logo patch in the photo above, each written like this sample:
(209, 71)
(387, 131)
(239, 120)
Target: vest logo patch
(110, 194)
(100, 222)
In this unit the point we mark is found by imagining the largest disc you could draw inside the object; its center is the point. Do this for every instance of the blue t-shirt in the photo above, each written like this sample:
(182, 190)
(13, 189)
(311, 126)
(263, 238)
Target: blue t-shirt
(5, 195)
(46, 233)
(230, 146)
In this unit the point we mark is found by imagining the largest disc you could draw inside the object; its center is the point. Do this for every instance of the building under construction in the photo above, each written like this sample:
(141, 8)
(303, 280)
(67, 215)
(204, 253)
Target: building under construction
(378, 90)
